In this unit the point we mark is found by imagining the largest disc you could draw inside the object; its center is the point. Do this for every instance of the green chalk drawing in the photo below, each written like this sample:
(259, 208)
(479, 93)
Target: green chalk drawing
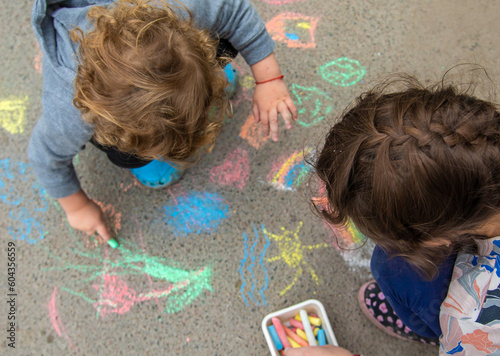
(110, 277)
(342, 72)
(312, 104)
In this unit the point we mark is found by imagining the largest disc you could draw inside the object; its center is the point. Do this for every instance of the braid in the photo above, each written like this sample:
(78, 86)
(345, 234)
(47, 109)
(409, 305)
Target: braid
(411, 166)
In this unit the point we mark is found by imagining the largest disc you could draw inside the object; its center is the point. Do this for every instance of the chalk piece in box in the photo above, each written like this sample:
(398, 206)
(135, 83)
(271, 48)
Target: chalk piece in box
(311, 306)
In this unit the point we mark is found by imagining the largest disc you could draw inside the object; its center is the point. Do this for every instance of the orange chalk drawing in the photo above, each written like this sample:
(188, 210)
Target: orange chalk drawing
(295, 30)
(116, 217)
(37, 59)
(252, 133)
(292, 253)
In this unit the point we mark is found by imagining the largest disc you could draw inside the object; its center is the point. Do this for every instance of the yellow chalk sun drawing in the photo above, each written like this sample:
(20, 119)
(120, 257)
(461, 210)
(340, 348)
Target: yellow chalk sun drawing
(292, 253)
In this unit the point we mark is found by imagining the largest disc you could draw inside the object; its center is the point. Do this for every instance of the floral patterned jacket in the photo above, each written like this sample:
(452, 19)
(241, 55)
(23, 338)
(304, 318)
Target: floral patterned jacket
(470, 314)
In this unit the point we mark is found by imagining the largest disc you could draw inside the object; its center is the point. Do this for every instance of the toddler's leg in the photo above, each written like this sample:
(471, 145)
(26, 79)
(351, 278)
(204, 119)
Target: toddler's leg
(157, 174)
(416, 301)
(378, 310)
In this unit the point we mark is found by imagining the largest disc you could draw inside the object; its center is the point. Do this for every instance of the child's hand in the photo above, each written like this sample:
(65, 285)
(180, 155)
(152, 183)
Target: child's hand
(85, 215)
(271, 97)
(328, 350)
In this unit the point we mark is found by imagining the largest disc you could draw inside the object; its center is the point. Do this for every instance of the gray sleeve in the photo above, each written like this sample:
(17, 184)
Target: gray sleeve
(236, 21)
(58, 136)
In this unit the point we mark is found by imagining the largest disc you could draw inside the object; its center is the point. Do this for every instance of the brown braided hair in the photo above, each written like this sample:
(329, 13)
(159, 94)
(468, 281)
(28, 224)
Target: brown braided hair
(413, 167)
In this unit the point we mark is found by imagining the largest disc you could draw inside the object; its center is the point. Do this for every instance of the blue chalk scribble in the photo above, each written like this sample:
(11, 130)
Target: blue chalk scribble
(8, 195)
(27, 228)
(196, 213)
(24, 225)
(250, 269)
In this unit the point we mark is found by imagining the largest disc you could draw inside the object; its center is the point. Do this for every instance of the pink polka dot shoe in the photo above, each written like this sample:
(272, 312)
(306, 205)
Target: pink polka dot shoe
(378, 310)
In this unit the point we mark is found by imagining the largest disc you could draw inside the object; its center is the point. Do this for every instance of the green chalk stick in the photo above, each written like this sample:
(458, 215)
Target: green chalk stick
(113, 243)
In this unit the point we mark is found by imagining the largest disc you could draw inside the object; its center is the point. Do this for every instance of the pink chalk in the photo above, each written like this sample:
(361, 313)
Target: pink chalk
(56, 321)
(298, 324)
(281, 332)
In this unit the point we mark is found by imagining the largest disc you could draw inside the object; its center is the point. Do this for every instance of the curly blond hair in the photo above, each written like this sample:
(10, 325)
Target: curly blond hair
(149, 81)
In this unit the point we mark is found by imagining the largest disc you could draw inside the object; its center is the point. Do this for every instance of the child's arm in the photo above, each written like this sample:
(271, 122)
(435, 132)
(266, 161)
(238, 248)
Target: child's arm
(271, 97)
(84, 215)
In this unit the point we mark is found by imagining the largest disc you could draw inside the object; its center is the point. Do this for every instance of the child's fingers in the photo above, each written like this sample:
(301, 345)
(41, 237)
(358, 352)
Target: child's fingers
(285, 114)
(264, 121)
(273, 124)
(256, 115)
(293, 109)
(102, 230)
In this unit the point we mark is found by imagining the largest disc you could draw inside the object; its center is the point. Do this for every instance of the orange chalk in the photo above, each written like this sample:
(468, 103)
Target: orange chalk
(295, 337)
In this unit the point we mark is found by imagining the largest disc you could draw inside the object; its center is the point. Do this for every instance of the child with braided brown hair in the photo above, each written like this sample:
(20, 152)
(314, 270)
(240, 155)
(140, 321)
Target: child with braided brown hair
(417, 170)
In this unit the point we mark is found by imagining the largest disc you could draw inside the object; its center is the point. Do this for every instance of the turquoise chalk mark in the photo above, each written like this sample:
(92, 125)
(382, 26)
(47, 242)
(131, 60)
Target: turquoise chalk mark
(342, 72)
(7, 179)
(250, 268)
(24, 224)
(296, 175)
(312, 103)
(31, 230)
(261, 263)
(196, 213)
(240, 270)
(292, 36)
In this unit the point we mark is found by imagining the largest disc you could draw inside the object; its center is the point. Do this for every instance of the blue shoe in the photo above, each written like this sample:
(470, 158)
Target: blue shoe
(232, 78)
(157, 174)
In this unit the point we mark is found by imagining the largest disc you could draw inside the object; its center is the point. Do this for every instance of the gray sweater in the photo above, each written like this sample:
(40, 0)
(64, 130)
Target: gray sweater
(61, 133)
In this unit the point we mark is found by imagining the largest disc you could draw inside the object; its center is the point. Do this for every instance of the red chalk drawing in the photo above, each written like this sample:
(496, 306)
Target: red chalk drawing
(55, 320)
(295, 30)
(252, 133)
(233, 171)
(117, 297)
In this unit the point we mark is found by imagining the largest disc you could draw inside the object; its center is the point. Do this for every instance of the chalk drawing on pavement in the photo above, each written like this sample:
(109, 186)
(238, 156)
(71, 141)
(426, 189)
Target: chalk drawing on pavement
(293, 29)
(342, 72)
(12, 114)
(289, 171)
(313, 104)
(292, 253)
(196, 212)
(254, 276)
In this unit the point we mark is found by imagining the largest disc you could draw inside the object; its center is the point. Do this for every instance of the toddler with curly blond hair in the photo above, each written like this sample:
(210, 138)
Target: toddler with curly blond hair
(146, 82)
